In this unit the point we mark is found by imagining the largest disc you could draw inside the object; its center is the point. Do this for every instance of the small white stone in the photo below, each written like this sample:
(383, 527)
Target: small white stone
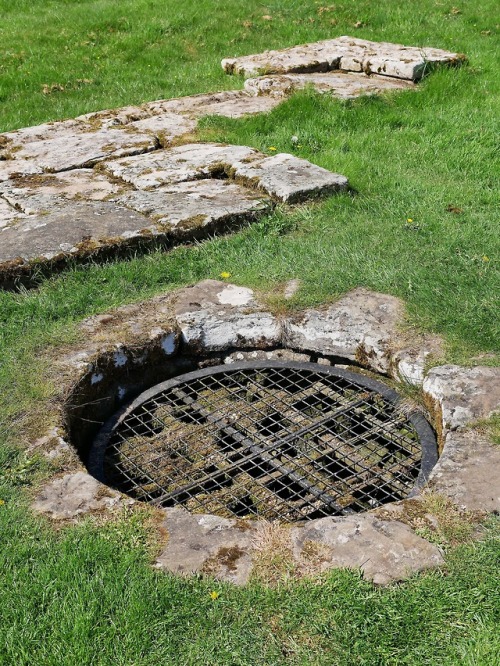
(233, 295)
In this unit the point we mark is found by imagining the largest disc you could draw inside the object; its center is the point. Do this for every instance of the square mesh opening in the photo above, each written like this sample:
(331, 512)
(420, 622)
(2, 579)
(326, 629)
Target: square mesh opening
(285, 442)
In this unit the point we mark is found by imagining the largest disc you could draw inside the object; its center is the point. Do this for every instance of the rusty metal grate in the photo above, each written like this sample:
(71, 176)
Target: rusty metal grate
(287, 441)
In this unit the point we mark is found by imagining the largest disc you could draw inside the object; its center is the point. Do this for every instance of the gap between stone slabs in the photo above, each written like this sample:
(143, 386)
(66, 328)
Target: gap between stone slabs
(136, 346)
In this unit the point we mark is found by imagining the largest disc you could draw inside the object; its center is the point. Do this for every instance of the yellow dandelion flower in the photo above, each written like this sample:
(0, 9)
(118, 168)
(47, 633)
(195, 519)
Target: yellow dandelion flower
(272, 148)
(224, 275)
(214, 595)
(409, 220)
(485, 258)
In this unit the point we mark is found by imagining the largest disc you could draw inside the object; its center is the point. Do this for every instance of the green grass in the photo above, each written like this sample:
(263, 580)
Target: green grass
(86, 594)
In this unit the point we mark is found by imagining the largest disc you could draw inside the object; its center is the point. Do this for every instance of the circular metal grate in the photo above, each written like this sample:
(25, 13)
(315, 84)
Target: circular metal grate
(286, 441)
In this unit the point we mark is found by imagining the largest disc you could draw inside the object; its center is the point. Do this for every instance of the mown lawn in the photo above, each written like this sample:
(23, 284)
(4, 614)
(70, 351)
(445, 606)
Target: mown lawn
(86, 595)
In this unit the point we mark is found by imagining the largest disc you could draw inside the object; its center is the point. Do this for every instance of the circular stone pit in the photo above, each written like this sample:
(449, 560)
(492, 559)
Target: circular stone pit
(135, 347)
(280, 441)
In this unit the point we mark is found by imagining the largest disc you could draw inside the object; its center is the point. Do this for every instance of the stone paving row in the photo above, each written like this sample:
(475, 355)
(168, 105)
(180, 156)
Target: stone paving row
(113, 179)
(168, 195)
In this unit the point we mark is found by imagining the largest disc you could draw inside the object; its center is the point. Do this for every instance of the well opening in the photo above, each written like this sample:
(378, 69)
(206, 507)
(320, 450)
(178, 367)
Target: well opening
(286, 441)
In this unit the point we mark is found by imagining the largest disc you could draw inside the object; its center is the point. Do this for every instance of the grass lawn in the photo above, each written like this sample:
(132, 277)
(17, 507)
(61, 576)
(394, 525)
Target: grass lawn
(86, 594)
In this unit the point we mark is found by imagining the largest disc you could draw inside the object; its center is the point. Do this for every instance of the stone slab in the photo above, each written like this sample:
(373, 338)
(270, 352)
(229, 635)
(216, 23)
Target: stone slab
(73, 495)
(284, 177)
(215, 316)
(73, 145)
(361, 327)
(122, 115)
(261, 355)
(183, 163)
(290, 179)
(166, 126)
(462, 395)
(345, 53)
(190, 210)
(468, 471)
(159, 115)
(69, 230)
(385, 551)
(207, 544)
(186, 206)
(39, 193)
(228, 103)
(344, 85)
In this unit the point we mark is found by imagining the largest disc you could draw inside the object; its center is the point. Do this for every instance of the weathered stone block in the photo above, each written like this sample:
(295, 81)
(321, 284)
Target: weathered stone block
(73, 229)
(228, 103)
(207, 544)
(214, 316)
(344, 85)
(360, 326)
(72, 145)
(289, 178)
(462, 395)
(40, 193)
(73, 495)
(182, 163)
(468, 471)
(186, 207)
(346, 53)
(385, 551)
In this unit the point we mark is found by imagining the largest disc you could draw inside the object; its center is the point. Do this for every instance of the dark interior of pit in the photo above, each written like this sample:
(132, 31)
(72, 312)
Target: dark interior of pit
(282, 441)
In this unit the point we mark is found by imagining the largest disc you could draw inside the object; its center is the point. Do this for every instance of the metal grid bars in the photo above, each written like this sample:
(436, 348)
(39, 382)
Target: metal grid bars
(285, 442)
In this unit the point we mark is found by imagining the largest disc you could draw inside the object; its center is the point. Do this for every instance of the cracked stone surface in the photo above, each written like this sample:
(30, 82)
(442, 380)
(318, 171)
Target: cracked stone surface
(463, 394)
(166, 193)
(209, 544)
(261, 355)
(81, 229)
(361, 326)
(187, 162)
(166, 126)
(40, 193)
(344, 85)
(73, 495)
(12, 168)
(71, 145)
(344, 53)
(215, 316)
(385, 551)
(468, 471)
(228, 103)
(8, 214)
(190, 205)
(67, 230)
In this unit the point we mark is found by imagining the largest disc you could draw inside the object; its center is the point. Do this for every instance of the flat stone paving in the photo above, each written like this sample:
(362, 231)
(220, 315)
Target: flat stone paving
(110, 179)
(166, 196)
(344, 85)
